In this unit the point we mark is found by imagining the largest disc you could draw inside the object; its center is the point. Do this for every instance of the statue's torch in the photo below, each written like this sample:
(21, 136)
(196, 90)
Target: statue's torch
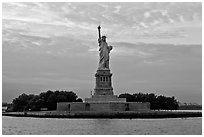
(99, 31)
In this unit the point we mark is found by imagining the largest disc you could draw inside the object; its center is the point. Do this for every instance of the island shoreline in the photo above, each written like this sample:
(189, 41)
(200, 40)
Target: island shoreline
(111, 115)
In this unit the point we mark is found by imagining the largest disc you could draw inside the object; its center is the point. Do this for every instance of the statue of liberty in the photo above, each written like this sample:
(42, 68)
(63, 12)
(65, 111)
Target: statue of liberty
(104, 52)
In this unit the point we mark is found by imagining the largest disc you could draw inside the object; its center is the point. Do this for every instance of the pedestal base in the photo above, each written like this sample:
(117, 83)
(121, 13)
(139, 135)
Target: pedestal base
(105, 98)
(103, 106)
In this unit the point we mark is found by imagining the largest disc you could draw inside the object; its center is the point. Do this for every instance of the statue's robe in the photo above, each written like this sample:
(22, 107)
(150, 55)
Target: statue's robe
(104, 55)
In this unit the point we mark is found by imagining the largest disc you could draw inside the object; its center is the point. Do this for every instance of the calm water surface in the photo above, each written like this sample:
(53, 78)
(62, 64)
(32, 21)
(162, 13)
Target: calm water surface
(54, 126)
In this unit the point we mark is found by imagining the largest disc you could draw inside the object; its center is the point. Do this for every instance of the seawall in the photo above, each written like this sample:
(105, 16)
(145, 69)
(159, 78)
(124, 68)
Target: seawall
(126, 114)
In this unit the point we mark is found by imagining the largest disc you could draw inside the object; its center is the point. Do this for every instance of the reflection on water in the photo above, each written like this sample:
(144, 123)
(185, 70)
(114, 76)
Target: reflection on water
(54, 126)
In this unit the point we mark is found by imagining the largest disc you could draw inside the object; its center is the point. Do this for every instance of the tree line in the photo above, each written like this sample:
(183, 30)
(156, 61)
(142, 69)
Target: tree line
(47, 100)
(156, 102)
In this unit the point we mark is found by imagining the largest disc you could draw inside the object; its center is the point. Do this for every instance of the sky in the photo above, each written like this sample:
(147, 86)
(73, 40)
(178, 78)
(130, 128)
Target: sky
(157, 48)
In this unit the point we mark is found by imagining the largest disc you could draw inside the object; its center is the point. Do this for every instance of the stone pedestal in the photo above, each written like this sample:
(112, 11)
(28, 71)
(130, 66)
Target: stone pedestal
(103, 83)
(104, 98)
(103, 106)
(103, 92)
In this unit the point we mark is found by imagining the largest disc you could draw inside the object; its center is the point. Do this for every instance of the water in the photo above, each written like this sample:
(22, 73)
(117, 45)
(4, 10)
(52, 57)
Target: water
(54, 126)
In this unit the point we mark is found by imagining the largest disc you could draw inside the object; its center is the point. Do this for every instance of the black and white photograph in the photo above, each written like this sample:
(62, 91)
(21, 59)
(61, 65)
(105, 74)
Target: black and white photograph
(101, 68)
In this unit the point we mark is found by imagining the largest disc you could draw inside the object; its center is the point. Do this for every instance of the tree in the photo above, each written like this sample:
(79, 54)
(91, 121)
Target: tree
(36, 103)
(20, 103)
(47, 99)
(71, 96)
(52, 102)
(79, 100)
(129, 97)
(156, 102)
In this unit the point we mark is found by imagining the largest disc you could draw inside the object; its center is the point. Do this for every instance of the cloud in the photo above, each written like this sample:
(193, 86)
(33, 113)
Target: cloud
(144, 20)
(117, 9)
(156, 53)
(147, 14)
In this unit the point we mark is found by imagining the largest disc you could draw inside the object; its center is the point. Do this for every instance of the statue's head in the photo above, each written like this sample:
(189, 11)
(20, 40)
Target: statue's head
(104, 38)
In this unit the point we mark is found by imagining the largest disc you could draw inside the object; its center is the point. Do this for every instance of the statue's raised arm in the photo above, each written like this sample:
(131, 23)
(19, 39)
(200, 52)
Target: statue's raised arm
(99, 32)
